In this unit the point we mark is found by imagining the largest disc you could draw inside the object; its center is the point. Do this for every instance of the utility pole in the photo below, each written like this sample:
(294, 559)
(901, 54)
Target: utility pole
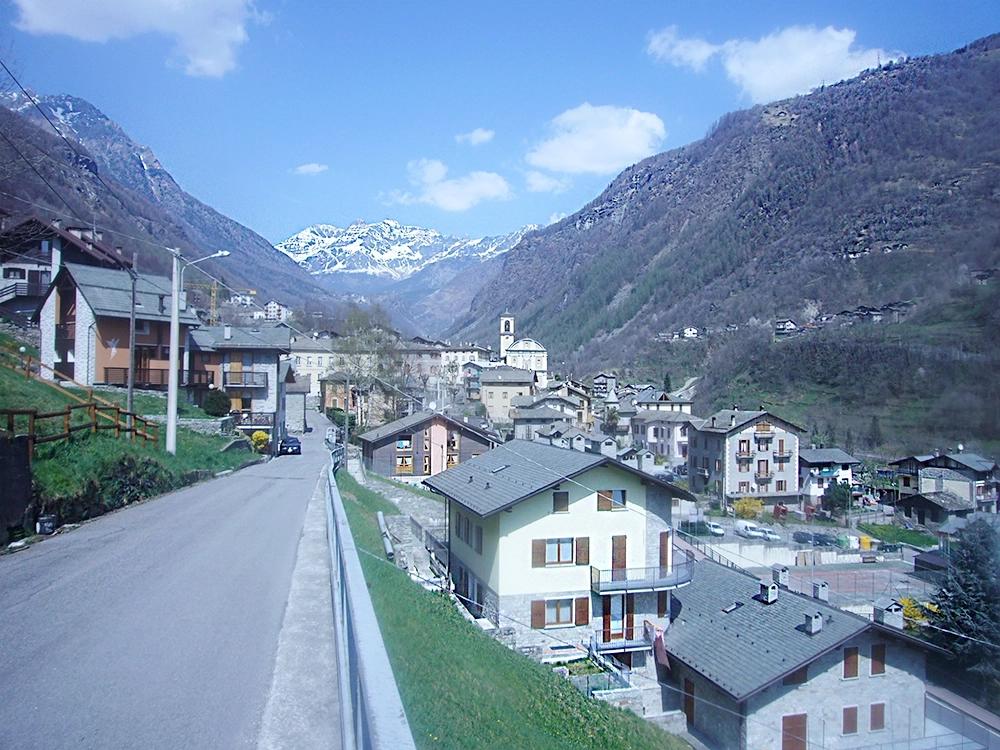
(175, 325)
(347, 410)
(129, 402)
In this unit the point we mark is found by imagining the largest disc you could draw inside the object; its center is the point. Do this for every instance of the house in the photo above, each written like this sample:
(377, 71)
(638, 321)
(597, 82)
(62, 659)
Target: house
(313, 357)
(754, 665)
(247, 364)
(640, 459)
(421, 445)
(983, 475)
(528, 421)
(604, 383)
(84, 325)
(571, 390)
(654, 399)
(821, 467)
(664, 433)
(785, 326)
(470, 379)
(33, 250)
(563, 547)
(297, 394)
(455, 357)
(934, 508)
(690, 332)
(498, 385)
(275, 312)
(736, 453)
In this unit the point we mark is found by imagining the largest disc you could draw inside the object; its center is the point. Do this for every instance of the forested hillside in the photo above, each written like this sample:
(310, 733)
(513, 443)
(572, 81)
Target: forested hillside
(878, 190)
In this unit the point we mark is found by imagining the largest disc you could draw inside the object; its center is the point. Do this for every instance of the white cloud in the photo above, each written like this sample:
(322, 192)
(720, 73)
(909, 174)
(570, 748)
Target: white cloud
(598, 140)
(458, 194)
(207, 33)
(543, 183)
(310, 169)
(557, 217)
(790, 61)
(476, 137)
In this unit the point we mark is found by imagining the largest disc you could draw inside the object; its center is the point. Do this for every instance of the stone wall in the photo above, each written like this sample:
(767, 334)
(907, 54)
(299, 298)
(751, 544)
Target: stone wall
(220, 426)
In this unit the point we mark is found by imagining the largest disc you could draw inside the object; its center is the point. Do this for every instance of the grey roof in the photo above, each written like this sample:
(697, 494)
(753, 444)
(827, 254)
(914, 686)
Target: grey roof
(308, 344)
(816, 456)
(933, 472)
(730, 420)
(301, 384)
(756, 644)
(499, 375)
(516, 470)
(213, 338)
(109, 293)
(956, 524)
(973, 461)
(655, 415)
(945, 499)
(413, 422)
(541, 412)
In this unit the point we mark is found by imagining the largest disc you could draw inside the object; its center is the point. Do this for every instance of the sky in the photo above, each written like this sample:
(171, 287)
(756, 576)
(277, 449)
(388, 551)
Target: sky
(472, 118)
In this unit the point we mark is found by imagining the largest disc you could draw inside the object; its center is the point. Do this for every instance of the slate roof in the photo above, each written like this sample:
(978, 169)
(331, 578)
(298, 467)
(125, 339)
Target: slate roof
(309, 344)
(653, 415)
(973, 461)
(213, 338)
(497, 375)
(945, 499)
(933, 472)
(541, 412)
(301, 384)
(516, 470)
(731, 420)
(816, 456)
(756, 644)
(108, 291)
(415, 422)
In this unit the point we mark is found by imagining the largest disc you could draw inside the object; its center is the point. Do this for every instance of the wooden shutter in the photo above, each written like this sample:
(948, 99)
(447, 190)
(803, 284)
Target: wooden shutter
(850, 720)
(538, 553)
(689, 701)
(793, 732)
(876, 720)
(583, 550)
(618, 557)
(878, 658)
(662, 598)
(604, 499)
(665, 551)
(798, 677)
(629, 616)
(851, 662)
(560, 502)
(606, 624)
(581, 608)
(538, 614)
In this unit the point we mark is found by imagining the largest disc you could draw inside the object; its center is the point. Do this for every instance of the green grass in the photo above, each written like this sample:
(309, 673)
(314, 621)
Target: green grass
(895, 535)
(461, 688)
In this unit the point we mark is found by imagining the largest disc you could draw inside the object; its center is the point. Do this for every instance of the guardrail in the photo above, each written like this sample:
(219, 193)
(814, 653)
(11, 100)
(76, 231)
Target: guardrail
(707, 549)
(371, 711)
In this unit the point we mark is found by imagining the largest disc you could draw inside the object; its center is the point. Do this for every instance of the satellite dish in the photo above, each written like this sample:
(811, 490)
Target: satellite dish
(961, 447)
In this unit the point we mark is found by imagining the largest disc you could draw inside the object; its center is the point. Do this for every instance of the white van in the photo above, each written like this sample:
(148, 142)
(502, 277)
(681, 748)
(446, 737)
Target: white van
(748, 530)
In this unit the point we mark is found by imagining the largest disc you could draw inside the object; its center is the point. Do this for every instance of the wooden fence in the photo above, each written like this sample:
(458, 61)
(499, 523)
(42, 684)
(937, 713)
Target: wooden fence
(113, 416)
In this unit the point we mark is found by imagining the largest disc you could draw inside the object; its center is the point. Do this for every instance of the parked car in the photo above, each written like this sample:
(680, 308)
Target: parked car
(289, 445)
(715, 529)
(770, 535)
(825, 540)
(748, 530)
(802, 537)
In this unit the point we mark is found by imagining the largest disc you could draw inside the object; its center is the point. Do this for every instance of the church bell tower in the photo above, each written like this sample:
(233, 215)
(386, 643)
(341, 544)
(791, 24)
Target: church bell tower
(506, 335)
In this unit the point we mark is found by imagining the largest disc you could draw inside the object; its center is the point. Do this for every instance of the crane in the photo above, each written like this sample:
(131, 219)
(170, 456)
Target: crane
(214, 289)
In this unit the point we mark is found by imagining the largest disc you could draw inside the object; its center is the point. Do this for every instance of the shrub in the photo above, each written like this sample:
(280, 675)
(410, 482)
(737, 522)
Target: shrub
(748, 507)
(217, 403)
(259, 441)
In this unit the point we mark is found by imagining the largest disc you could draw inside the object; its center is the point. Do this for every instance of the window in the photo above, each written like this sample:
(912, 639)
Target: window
(427, 464)
(477, 539)
(247, 360)
(850, 662)
(744, 488)
(611, 499)
(298, 359)
(876, 717)
(761, 445)
(504, 395)
(744, 465)
(560, 502)
(781, 446)
(491, 395)
(794, 731)
(559, 612)
(744, 446)
(718, 465)
(781, 485)
(319, 361)
(404, 443)
(452, 460)
(404, 464)
(142, 326)
(850, 724)
(798, 677)
(559, 551)
(906, 481)
(878, 659)
(13, 273)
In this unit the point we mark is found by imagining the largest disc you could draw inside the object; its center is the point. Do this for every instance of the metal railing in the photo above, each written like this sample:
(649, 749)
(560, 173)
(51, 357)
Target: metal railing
(244, 379)
(636, 637)
(253, 419)
(707, 549)
(372, 714)
(658, 578)
(144, 376)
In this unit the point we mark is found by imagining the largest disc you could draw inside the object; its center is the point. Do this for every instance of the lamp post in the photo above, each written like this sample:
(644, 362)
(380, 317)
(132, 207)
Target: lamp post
(177, 277)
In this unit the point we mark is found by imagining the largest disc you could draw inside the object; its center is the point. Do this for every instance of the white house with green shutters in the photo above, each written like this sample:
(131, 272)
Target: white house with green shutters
(564, 547)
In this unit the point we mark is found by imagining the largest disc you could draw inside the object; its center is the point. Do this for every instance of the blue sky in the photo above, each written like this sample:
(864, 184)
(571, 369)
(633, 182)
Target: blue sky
(468, 117)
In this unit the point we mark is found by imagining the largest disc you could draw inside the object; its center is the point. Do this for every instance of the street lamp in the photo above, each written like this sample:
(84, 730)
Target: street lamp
(177, 277)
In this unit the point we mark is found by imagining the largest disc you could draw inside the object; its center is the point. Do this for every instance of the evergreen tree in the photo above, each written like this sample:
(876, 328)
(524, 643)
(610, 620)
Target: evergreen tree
(849, 441)
(666, 382)
(874, 433)
(968, 605)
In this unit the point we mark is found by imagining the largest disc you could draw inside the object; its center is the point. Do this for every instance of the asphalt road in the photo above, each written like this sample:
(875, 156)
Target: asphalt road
(157, 626)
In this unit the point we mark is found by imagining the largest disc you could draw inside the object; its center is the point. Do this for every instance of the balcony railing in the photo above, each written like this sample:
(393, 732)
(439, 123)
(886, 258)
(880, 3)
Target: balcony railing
(626, 639)
(701, 472)
(252, 419)
(201, 378)
(782, 455)
(744, 454)
(144, 376)
(764, 476)
(244, 379)
(661, 578)
(765, 434)
(21, 289)
(66, 331)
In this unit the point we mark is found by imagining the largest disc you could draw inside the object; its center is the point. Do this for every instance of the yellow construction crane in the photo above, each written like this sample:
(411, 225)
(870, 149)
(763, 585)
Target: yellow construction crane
(214, 288)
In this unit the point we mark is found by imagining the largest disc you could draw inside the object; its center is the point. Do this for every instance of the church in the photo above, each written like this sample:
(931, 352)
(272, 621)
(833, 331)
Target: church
(525, 354)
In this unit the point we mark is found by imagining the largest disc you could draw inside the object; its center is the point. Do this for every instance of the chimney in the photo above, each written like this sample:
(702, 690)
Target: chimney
(821, 591)
(768, 592)
(732, 420)
(713, 421)
(227, 331)
(814, 623)
(889, 612)
(779, 574)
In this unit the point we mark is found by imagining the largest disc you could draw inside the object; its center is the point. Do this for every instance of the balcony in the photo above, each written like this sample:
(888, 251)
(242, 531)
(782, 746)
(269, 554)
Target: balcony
(628, 639)
(632, 580)
(65, 331)
(766, 433)
(144, 376)
(244, 380)
(782, 455)
(764, 476)
(702, 473)
(744, 454)
(21, 289)
(252, 419)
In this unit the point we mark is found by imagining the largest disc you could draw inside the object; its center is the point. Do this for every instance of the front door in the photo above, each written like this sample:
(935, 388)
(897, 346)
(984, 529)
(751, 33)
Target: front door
(614, 617)
(689, 701)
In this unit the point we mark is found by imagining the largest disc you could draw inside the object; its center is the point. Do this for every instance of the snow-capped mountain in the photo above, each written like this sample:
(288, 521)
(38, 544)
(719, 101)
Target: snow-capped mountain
(388, 250)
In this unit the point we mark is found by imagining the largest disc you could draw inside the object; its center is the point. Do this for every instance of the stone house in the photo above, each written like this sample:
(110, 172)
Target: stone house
(755, 666)
(982, 475)
(734, 454)
(84, 326)
(421, 445)
(564, 547)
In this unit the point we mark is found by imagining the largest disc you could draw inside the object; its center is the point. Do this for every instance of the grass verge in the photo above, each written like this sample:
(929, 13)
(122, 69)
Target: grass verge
(462, 689)
(896, 535)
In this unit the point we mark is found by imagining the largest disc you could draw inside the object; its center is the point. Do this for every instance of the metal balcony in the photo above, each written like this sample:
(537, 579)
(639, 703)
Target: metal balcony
(632, 580)
(244, 379)
(760, 434)
(764, 476)
(744, 454)
(630, 639)
(782, 455)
